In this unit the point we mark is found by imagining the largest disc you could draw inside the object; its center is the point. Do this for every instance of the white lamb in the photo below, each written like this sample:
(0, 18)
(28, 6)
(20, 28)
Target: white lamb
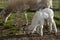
(38, 21)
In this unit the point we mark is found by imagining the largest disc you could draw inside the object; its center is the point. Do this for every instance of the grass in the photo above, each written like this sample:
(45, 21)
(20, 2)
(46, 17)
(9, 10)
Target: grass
(57, 18)
(55, 3)
(14, 29)
(21, 21)
(30, 16)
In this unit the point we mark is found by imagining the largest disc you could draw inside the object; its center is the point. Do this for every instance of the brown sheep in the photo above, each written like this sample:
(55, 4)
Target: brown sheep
(23, 6)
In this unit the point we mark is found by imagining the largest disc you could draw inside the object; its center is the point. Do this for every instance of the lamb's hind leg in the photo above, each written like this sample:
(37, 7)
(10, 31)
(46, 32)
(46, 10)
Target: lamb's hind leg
(54, 26)
(50, 25)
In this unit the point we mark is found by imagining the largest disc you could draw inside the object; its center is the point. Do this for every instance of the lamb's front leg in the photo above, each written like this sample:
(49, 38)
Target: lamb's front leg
(33, 25)
(40, 28)
(35, 28)
(32, 28)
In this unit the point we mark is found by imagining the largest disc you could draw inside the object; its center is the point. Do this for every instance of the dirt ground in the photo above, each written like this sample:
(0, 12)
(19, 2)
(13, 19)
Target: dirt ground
(46, 36)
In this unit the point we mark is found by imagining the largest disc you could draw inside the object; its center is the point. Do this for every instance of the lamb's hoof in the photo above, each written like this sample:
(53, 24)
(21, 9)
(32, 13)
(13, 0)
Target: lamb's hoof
(29, 33)
(40, 34)
(55, 34)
